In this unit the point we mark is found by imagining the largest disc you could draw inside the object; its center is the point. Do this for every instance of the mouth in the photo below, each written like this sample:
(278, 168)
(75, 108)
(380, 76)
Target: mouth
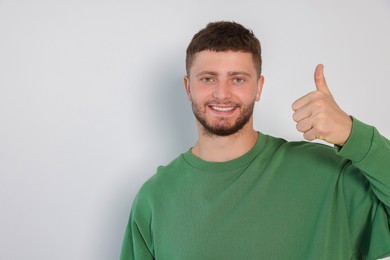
(223, 109)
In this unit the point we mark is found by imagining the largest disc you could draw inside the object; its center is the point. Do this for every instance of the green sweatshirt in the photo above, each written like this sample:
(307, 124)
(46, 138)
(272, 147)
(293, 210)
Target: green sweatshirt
(281, 200)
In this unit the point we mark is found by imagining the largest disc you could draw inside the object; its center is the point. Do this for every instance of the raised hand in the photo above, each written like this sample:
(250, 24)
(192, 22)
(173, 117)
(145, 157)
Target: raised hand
(319, 117)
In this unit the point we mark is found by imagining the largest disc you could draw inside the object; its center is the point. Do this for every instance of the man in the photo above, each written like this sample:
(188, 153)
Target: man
(241, 194)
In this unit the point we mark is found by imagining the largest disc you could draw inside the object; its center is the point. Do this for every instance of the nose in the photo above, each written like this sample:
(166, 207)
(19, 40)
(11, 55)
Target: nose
(222, 91)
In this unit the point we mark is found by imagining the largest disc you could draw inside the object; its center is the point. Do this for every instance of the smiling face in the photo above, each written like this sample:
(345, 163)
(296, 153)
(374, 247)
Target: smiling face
(223, 88)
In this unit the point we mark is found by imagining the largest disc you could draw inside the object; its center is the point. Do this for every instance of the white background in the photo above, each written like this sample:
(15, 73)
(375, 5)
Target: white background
(92, 101)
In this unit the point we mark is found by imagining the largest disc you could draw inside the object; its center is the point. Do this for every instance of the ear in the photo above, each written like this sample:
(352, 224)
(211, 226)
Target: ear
(187, 87)
(260, 84)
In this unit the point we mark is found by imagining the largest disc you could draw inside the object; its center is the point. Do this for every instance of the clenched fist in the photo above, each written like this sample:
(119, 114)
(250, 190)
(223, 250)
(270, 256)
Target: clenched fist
(319, 117)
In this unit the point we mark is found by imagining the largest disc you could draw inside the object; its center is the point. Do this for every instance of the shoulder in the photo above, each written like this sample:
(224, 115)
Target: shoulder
(307, 154)
(165, 177)
(299, 147)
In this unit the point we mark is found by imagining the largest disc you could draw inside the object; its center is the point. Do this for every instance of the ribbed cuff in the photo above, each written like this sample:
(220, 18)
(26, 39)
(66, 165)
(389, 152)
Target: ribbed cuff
(358, 143)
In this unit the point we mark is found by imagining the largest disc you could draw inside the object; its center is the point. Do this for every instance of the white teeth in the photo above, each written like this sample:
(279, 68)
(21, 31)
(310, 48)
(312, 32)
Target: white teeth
(223, 109)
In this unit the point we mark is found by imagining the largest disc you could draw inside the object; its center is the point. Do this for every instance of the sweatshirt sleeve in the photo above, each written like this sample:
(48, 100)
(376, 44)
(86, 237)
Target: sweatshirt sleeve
(367, 191)
(137, 241)
(370, 152)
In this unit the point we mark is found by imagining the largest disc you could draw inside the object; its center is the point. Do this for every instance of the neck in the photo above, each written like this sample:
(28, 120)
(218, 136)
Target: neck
(224, 148)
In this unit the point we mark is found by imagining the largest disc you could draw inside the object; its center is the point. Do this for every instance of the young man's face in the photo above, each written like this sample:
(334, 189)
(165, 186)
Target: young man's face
(223, 88)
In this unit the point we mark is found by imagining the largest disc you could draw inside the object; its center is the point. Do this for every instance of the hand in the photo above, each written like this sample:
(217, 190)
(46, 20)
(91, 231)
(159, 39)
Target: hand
(319, 117)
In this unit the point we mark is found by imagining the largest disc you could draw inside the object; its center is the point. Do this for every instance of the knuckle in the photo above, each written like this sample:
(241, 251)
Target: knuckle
(298, 127)
(308, 136)
(295, 117)
(319, 104)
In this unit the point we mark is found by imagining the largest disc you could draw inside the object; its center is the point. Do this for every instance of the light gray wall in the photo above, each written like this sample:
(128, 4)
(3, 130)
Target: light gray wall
(91, 101)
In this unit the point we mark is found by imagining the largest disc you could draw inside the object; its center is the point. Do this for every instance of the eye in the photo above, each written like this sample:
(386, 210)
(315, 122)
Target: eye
(238, 80)
(207, 79)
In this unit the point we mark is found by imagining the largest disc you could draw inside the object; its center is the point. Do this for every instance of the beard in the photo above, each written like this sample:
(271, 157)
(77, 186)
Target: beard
(222, 127)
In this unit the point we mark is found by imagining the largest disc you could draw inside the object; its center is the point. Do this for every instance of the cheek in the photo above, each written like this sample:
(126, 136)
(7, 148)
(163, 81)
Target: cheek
(247, 97)
(199, 96)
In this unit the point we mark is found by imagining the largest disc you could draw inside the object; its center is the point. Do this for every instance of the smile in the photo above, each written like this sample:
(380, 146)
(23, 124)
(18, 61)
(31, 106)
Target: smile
(222, 109)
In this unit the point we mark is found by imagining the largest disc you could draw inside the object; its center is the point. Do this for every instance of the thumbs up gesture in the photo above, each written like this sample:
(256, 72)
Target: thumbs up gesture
(319, 117)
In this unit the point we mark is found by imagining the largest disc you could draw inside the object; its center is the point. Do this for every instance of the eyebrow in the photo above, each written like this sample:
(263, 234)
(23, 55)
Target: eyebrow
(206, 72)
(235, 73)
(232, 73)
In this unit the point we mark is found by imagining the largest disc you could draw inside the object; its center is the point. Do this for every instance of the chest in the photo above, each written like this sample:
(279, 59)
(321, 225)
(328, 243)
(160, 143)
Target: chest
(271, 214)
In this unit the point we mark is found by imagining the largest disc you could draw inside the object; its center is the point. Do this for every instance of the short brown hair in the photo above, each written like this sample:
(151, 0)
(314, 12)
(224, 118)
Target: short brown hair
(225, 36)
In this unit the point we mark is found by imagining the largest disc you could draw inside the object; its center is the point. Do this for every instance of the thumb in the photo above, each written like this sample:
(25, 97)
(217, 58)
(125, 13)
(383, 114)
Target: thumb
(320, 81)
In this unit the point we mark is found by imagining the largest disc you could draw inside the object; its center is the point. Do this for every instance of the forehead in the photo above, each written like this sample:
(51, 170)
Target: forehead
(223, 62)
